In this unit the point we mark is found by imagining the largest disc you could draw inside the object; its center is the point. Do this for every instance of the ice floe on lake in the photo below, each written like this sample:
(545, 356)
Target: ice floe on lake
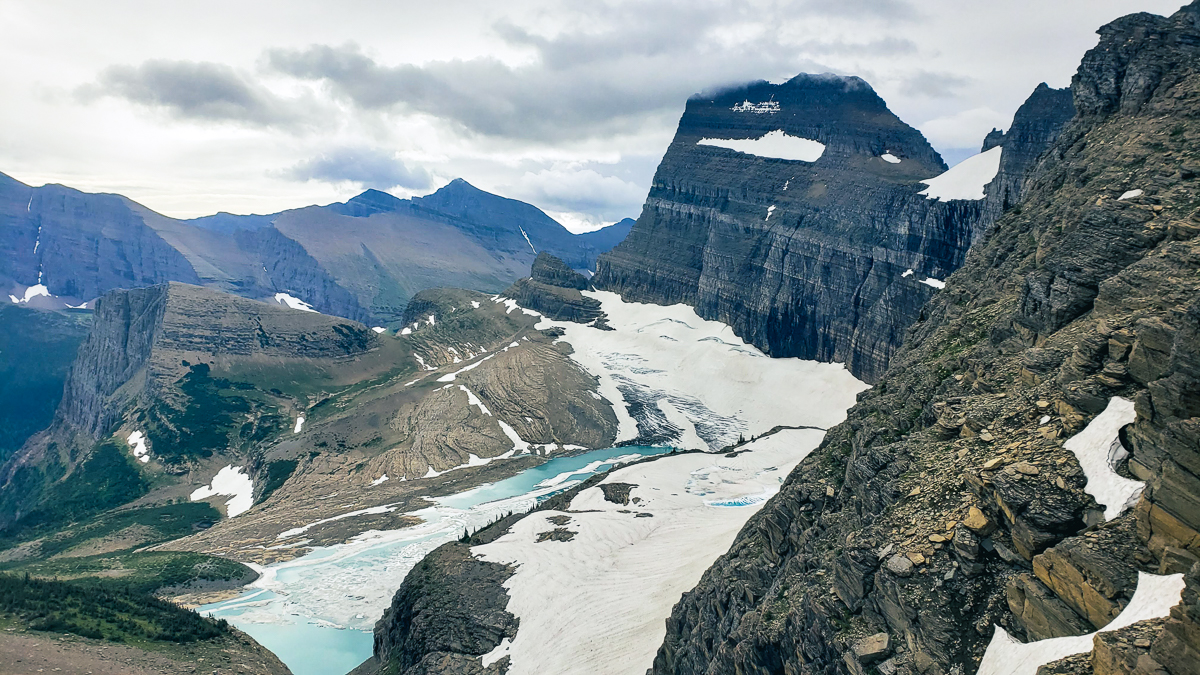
(597, 604)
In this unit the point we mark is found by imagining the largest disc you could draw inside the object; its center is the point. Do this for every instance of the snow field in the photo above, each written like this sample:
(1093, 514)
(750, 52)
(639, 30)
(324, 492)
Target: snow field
(293, 302)
(597, 604)
(705, 361)
(233, 482)
(774, 145)
(1131, 194)
(299, 424)
(966, 179)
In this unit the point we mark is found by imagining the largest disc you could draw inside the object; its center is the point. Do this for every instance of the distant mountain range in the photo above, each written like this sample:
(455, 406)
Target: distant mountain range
(362, 259)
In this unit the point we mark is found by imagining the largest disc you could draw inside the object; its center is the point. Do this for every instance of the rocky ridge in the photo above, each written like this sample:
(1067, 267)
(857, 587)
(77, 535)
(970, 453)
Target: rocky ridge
(946, 504)
(822, 260)
(362, 259)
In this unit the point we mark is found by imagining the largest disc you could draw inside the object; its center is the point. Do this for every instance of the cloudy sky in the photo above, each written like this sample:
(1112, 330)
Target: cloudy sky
(254, 106)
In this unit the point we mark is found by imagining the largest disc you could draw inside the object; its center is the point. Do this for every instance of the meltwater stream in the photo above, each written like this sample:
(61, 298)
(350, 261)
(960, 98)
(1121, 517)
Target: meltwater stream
(316, 613)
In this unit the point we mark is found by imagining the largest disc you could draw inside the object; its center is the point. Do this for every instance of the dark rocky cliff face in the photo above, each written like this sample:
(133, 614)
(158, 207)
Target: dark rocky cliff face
(946, 504)
(802, 258)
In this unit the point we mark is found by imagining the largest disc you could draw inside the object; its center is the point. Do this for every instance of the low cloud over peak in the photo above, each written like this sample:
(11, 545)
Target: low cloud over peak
(366, 167)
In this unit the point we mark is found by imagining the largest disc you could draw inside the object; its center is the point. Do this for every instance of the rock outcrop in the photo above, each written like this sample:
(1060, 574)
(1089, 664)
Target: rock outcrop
(947, 505)
(819, 259)
(553, 289)
(143, 340)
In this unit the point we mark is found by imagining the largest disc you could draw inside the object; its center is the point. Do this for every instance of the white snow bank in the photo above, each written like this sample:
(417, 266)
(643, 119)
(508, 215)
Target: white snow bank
(889, 158)
(137, 441)
(775, 144)
(1131, 195)
(966, 179)
(598, 604)
(299, 424)
(449, 377)
(379, 481)
(934, 283)
(472, 399)
(373, 511)
(406, 331)
(907, 273)
(722, 385)
(475, 304)
(31, 293)
(379, 329)
(293, 302)
(770, 210)
(233, 482)
(1154, 598)
(1099, 449)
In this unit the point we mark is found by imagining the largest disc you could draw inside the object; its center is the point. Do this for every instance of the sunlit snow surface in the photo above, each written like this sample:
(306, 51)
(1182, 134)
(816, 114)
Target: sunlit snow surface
(1154, 598)
(137, 441)
(721, 386)
(293, 302)
(31, 293)
(890, 158)
(1098, 449)
(775, 145)
(966, 179)
(1132, 194)
(597, 604)
(232, 482)
(299, 425)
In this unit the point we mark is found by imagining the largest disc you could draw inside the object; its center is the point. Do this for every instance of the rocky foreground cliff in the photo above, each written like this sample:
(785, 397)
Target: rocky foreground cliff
(820, 257)
(947, 505)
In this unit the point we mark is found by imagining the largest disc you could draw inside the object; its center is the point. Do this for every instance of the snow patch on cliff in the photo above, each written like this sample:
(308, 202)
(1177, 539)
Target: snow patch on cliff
(1153, 599)
(774, 145)
(293, 302)
(966, 179)
(1099, 450)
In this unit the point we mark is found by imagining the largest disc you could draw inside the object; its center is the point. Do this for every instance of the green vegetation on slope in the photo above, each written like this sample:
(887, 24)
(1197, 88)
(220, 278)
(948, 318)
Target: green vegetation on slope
(105, 480)
(215, 414)
(101, 610)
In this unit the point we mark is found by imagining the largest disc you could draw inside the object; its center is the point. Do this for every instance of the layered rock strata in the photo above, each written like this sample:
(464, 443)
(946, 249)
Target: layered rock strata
(947, 505)
(821, 259)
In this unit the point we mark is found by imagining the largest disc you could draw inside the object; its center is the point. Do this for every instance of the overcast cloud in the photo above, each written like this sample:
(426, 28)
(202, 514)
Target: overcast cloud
(261, 106)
